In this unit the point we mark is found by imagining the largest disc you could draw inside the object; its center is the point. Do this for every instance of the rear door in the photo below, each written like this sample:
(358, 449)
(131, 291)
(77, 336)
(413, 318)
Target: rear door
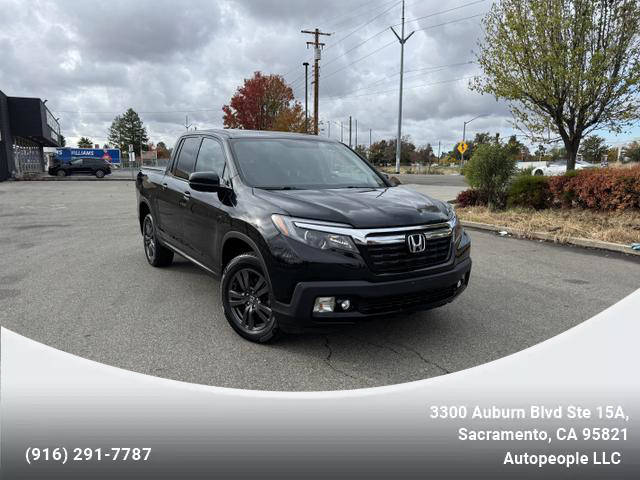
(207, 210)
(174, 195)
(76, 166)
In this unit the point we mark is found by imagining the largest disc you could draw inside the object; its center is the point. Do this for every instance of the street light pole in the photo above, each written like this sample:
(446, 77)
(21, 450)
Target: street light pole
(464, 132)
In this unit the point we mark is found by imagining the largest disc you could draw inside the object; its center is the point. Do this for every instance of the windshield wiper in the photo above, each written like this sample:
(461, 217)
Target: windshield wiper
(283, 187)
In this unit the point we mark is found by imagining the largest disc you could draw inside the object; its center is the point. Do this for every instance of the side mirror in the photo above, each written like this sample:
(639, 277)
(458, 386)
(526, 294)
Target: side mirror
(395, 181)
(205, 182)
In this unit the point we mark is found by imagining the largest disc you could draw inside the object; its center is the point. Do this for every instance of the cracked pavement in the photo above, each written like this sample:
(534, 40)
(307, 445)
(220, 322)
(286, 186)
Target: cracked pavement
(73, 276)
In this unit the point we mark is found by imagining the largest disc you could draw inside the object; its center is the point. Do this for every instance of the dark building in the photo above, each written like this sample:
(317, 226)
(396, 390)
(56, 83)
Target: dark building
(26, 126)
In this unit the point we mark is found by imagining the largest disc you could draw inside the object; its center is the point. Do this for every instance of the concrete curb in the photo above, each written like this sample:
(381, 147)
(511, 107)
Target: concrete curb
(549, 237)
(79, 178)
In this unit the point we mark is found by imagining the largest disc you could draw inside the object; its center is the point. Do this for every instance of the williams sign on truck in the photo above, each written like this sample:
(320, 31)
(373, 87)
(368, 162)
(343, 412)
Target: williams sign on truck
(111, 155)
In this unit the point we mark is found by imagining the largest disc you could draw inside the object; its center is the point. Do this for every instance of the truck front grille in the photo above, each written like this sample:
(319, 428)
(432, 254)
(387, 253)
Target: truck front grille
(396, 258)
(394, 303)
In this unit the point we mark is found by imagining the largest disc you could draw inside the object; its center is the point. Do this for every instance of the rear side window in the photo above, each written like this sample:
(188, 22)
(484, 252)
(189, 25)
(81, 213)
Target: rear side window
(211, 157)
(187, 157)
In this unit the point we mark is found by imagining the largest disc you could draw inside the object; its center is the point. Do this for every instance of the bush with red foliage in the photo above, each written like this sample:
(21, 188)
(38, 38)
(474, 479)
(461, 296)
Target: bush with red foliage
(600, 189)
(471, 198)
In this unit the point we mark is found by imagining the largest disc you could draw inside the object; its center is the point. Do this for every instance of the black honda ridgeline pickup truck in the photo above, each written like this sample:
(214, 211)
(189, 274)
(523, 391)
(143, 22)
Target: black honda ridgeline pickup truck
(303, 231)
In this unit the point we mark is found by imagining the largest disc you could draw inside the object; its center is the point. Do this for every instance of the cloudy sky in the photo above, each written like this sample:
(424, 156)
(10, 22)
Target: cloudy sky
(167, 59)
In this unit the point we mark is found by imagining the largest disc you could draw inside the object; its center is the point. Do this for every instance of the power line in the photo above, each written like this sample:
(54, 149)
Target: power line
(298, 78)
(353, 15)
(432, 69)
(395, 90)
(361, 58)
(363, 25)
(392, 42)
(443, 11)
(195, 110)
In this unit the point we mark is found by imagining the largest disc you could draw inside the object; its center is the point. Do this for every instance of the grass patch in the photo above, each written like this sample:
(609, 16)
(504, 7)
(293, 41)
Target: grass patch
(616, 227)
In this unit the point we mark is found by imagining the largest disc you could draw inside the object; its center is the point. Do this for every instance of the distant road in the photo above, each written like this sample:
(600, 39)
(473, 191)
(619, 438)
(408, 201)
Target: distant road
(439, 180)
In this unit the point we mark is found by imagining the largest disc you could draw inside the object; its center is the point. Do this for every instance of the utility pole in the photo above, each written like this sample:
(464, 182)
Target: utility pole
(356, 133)
(329, 127)
(317, 45)
(369, 143)
(187, 125)
(306, 97)
(402, 39)
(349, 131)
(341, 132)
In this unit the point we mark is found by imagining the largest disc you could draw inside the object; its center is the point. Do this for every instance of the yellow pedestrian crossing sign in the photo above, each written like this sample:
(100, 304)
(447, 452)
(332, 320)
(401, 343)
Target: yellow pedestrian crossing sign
(462, 147)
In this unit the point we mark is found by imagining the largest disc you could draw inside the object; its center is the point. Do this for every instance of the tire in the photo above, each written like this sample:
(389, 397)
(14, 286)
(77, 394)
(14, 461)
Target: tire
(538, 173)
(246, 297)
(99, 173)
(157, 254)
(61, 173)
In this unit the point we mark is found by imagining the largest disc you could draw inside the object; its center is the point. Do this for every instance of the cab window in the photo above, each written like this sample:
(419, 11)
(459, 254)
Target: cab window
(211, 157)
(187, 157)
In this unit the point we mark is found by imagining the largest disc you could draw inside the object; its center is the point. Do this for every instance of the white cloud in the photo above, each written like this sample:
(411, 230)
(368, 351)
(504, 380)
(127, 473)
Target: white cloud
(93, 59)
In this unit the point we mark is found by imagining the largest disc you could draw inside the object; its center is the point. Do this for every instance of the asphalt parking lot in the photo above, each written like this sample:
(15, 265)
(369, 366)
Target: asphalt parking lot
(73, 276)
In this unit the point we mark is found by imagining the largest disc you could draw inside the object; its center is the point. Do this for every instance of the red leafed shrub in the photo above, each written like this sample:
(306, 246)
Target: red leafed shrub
(601, 189)
(471, 198)
(561, 192)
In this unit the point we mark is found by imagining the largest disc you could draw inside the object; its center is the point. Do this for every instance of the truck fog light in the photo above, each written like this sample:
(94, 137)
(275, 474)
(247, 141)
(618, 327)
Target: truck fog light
(459, 284)
(324, 304)
(345, 304)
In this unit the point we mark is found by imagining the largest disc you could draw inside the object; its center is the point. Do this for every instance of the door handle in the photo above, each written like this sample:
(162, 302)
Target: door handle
(186, 196)
(164, 186)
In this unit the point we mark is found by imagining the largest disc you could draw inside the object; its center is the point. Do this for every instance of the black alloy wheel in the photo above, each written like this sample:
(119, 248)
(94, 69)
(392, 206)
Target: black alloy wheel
(157, 255)
(246, 296)
(149, 239)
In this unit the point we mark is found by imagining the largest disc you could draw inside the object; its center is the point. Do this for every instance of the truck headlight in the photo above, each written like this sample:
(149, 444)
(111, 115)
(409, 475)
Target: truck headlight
(312, 237)
(454, 222)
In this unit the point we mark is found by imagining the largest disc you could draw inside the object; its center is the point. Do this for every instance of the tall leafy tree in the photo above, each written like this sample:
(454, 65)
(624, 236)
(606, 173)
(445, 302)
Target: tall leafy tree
(85, 142)
(593, 148)
(631, 153)
(264, 102)
(128, 129)
(569, 65)
(163, 151)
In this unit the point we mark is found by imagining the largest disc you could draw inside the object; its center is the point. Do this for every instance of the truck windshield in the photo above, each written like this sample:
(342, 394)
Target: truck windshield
(292, 164)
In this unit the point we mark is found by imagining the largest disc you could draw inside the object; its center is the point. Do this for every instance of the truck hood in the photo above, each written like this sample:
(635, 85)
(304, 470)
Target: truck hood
(359, 207)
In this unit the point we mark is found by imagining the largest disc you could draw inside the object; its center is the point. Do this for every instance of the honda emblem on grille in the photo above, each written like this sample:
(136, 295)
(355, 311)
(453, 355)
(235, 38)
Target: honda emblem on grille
(416, 242)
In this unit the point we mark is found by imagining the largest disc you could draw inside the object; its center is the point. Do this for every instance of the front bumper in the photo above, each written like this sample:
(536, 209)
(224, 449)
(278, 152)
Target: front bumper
(370, 299)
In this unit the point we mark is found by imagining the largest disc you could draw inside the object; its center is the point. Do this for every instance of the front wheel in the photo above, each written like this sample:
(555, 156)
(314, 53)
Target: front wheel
(61, 173)
(246, 298)
(157, 255)
(99, 173)
(538, 173)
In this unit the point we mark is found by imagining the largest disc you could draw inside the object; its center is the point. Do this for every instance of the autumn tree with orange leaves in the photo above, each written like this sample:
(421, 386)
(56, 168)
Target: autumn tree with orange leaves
(264, 102)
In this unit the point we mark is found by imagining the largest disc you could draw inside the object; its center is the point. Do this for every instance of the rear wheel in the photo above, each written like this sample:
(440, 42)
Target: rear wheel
(157, 255)
(246, 298)
(99, 173)
(61, 173)
(538, 173)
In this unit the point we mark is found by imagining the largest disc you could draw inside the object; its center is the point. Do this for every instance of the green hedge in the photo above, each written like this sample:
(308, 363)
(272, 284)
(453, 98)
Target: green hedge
(529, 191)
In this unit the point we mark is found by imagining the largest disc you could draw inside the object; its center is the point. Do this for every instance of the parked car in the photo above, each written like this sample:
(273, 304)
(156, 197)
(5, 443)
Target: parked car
(86, 166)
(304, 233)
(560, 167)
